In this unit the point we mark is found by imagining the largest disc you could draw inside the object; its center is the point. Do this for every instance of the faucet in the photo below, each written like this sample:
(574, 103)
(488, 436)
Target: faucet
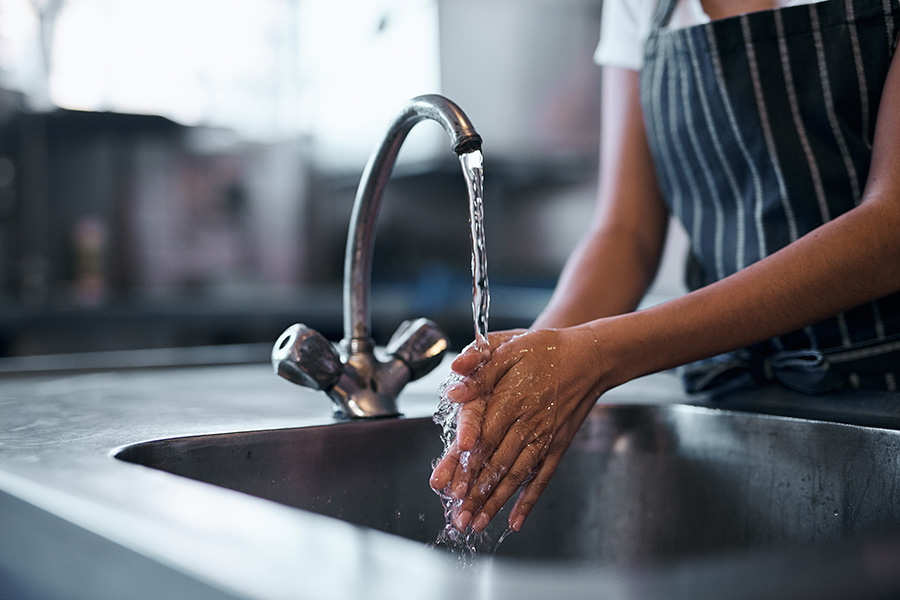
(359, 383)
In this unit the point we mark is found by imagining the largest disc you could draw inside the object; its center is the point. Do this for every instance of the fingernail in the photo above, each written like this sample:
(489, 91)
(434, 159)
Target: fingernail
(516, 525)
(481, 521)
(455, 390)
(462, 520)
(440, 478)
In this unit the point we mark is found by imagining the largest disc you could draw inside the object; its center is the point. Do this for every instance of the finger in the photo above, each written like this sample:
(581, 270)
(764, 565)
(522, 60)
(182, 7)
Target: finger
(445, 469)
(461, 477)
(468, 428)
(474, 355)
(483, 437)
(467, 388)
(459, 482)
(476, 375)
(485, 423)
(532, 490)
(515, 457)
(468, 469)
(499, 484)
(469, 360)
(461, 391)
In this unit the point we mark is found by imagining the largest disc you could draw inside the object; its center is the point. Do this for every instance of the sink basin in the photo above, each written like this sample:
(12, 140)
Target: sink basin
(640, 484)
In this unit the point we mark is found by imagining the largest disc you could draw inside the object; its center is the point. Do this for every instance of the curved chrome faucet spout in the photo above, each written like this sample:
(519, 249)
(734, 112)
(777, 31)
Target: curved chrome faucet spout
(360, 240)
(359, 384)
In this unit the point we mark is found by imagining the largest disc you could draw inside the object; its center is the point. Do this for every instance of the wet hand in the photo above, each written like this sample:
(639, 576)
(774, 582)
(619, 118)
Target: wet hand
(520, 410)
(470, 412)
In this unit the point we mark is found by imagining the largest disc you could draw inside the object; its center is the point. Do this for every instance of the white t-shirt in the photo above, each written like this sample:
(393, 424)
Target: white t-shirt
(626, 24)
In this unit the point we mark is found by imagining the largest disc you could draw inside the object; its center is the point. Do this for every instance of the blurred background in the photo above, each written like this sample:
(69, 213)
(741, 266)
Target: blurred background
(180, 173)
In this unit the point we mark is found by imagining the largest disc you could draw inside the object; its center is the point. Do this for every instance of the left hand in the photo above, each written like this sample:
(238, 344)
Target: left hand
(521, 409)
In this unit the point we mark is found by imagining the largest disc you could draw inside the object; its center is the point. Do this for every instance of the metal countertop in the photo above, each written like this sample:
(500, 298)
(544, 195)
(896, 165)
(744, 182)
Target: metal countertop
(77, 523)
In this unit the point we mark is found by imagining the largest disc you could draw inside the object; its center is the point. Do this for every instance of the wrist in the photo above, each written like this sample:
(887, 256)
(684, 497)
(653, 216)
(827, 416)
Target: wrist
(625, 349)
(596, 357)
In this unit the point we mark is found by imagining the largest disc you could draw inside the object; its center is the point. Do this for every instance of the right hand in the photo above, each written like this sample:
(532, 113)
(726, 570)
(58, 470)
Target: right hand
(521, 409)
(471, 411)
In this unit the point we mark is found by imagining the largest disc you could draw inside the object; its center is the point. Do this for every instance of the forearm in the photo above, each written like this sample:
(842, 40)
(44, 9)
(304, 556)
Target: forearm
(610, 270)
(606, 275)
(847, 262)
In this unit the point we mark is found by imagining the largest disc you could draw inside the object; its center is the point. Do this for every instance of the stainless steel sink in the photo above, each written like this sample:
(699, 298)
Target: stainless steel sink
(640, 484)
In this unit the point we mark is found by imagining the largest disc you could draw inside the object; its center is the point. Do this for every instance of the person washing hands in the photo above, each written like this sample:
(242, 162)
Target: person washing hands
(771, 130)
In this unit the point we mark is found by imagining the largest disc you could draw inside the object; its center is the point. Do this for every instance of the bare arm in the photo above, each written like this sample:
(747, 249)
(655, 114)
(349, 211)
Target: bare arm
(849, 261)
(542, 384)
(611, 268)
(614, 263)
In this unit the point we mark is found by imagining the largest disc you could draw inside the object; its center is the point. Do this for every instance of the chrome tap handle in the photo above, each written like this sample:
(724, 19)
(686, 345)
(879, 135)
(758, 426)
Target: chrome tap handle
(303, 356)
(420, 344)
(360, 384)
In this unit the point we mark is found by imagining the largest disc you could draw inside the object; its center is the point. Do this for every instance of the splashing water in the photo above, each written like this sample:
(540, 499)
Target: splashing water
(466, 545)
(463, 546)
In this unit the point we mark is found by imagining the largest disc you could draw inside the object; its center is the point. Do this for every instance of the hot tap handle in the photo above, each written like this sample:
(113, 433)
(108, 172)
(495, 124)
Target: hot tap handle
(303, 356)
(420, 344)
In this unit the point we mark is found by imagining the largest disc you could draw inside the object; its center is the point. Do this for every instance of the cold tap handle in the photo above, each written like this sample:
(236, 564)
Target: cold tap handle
(420, 344)
(303, 356)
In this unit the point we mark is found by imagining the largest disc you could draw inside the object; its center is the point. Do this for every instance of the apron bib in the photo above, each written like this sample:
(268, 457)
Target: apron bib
(761, 129)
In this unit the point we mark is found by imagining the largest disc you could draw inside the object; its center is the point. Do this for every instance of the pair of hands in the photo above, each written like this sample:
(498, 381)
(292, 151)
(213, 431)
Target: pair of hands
(522, 400)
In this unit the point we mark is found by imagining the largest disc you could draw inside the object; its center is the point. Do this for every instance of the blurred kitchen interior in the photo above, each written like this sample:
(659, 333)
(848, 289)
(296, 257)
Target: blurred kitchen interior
(180, 173)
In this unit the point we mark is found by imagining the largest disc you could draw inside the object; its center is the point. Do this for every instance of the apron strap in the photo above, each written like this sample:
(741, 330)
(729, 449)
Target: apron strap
(663, 13)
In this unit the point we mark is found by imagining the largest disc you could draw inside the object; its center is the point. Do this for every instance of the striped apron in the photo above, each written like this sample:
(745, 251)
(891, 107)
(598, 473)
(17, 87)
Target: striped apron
(761, 129)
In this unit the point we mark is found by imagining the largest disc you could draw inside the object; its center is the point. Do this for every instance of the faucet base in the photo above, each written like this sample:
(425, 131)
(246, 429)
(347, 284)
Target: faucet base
(359, 384)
